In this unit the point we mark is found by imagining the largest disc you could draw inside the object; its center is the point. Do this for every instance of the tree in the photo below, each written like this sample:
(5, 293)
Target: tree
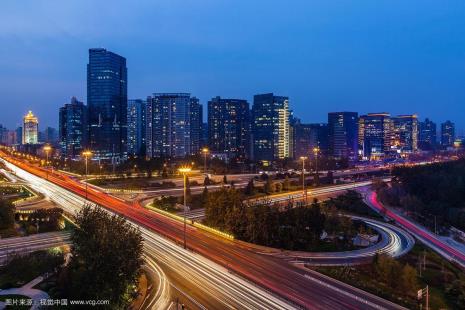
(106, 258)
(268, 187)
(250, 188)
(7, 214)
(408, 280)
(286, 184)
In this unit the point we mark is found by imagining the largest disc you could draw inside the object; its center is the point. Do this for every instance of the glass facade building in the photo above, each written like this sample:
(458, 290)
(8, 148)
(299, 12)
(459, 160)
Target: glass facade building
(136, 127)
(229, 127)
(72, 129)
(374, 135)
(173, 125)
(343, 135)
(427, 138)
(107, 104)
(405, 133)
(270, 127)
(447, 134)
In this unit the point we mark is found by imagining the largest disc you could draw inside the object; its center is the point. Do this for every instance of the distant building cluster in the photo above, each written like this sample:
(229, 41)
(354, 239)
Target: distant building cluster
(171, 125)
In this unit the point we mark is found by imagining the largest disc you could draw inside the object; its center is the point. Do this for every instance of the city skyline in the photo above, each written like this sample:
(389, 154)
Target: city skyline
(414, 71)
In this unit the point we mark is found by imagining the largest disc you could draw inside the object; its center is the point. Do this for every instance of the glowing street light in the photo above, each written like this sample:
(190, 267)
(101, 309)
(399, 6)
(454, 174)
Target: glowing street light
(304, 193)
(205, 153)
(185, 171)
(316, 150)
(86, 155)
(47, 149)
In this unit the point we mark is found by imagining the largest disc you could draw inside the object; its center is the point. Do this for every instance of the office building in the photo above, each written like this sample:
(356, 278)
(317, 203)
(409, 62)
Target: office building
(173, 125)
(229, 127)
(136, 127)
(30, 129)
(447, 134)
(270, 127)
(374, 135)
(19, 135)
(405, 134)
(72, 130)
(427, 137)
(307, 137)
(107, 104)
(343, 135)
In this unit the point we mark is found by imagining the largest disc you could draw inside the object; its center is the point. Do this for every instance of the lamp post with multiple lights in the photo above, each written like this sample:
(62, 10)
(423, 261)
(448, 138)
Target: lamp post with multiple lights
(47, 149)
(304, 193)
(185, 171)
(86, 155)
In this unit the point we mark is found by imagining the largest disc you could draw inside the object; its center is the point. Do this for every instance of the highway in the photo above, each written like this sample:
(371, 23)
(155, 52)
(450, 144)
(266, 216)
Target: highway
(394, 242)
(22, 245)
(421, 233)
(219, 281)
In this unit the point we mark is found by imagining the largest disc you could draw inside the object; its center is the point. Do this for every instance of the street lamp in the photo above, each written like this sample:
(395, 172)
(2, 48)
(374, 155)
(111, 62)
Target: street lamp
(304, 194)
(47, 149)
(205, 153)
(316, 150)
(185, 171)
(86, 155)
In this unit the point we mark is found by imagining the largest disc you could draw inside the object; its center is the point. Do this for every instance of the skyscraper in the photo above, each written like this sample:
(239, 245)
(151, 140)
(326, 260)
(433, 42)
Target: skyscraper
(405, 133)
(169, 131)
(30, 129)
(374, 135)
(72, 129)
(136, 127)
(343, 135)
(270, 127)
(427, 138)
(229, 127)
(447, 134)
(107, 104)
(309, 136)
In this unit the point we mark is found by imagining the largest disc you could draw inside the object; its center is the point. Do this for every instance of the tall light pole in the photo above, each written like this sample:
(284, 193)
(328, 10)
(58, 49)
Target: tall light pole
(316, 150)
(86, 155)
(185, 171)
(205, 153)
(47, 149)
(304, 193)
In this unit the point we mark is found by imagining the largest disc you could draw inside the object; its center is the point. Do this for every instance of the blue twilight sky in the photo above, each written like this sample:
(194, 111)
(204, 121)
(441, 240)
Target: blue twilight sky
(361, 55)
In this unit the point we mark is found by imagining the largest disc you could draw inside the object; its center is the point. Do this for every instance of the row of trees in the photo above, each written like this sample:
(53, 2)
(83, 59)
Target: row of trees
(289, 227)
(401, 278)
(7, 214)
(296, 229)
(430, 191)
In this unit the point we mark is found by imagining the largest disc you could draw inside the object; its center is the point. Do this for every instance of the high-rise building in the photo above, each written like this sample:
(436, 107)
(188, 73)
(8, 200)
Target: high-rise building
(49, 135)
(270, 127)
(72, 129)
(196, 121)
(374, 135)
(3, 134)
(173, 125)
(447, 134)
(30, 129)
(136, 127)
(107, 104)
(19, 135)
(427, 138)
(204, 136)
(307, 137)
(229, 127)
(405, 133)
(343, 135)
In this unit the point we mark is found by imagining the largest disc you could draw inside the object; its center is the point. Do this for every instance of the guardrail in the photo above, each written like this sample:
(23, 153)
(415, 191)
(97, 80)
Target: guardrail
(191, 222)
